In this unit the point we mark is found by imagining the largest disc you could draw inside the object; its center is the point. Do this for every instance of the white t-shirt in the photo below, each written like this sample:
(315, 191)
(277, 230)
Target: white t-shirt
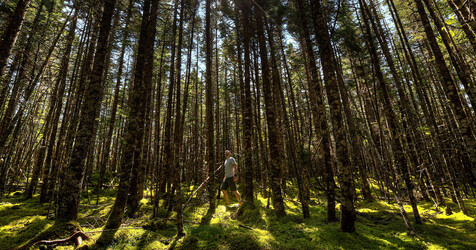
(229, 167)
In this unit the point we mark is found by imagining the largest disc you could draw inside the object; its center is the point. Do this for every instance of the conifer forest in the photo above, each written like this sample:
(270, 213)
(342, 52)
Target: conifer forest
(237, 124)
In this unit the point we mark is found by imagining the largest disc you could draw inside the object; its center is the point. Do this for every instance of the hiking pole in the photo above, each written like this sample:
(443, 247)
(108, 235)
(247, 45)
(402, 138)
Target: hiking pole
(201, 185)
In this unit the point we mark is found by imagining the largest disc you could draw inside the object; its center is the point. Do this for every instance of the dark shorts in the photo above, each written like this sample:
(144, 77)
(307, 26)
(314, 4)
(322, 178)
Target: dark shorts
(228, 183)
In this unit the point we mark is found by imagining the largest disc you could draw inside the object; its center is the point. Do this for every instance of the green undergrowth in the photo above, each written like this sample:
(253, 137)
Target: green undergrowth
(378, 225)
(21, 220)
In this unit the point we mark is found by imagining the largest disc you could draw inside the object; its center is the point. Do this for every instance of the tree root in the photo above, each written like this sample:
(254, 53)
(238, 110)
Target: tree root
(58, 230)
(76, 238)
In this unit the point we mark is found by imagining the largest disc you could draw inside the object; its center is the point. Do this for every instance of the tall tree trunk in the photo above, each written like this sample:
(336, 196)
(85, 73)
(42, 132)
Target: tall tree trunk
(168, 133)
(69, 193)
(178, 130)
(157, 121)
(247, 113)
(134, 128)
(210, 147)
(329, 69)
(273, 131)
(105, 158)
(319, 114)
(302, 173)
(144, 64)
(58, 105)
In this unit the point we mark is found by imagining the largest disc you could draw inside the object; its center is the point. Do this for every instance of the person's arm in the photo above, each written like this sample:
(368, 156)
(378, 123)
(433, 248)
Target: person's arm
(235, 175)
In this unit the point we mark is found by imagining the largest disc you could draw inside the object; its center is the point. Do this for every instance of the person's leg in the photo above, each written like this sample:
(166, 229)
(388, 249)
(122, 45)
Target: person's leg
(225, 194)
(238, 197)
(235, 191)
(224, 187)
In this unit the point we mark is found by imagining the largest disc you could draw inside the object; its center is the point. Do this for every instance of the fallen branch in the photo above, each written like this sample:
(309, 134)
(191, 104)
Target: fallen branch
(243, 226)
(107, 230)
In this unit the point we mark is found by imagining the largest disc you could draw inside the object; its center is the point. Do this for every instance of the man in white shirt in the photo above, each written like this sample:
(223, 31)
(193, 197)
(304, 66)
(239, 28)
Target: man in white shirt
(230, 178)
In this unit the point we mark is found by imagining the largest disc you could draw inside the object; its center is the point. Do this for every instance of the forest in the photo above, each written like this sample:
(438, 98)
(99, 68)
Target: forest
(238, 124)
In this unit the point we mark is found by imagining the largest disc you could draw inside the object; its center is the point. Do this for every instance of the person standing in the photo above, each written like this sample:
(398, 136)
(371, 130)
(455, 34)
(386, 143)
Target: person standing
(230, 178)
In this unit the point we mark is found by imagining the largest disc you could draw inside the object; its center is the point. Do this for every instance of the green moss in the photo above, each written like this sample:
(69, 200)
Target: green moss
(190, 243)
(242, 241)
(158, 225)
(378, 226)
(250, 214)
(56, 231)
(21, 220)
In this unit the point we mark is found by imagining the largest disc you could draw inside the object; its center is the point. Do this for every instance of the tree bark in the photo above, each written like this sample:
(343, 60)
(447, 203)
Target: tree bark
(178, 130)
(143, 78)
(106, 156)
(168, 133)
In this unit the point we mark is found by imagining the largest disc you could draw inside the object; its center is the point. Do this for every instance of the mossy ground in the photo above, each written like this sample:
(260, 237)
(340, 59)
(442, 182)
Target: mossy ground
(378, 226)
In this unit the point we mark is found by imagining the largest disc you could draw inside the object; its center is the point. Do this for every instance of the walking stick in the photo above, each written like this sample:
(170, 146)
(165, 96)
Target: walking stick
(201, 185)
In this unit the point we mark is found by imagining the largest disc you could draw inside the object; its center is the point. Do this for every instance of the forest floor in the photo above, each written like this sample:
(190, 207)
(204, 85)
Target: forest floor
(378, 225)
